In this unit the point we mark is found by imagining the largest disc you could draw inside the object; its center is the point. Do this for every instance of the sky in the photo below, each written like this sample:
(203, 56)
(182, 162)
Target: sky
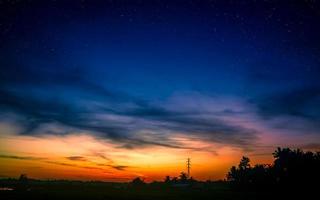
(113, 90)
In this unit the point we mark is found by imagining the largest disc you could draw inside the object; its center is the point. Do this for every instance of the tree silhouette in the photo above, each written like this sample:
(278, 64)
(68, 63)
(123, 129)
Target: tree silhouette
(137, 182)
(183, 177)
(23, 183)
(291, 169)
(244, 163)
(233, 174)
(174, 180)
(167, 179)
(292, 166)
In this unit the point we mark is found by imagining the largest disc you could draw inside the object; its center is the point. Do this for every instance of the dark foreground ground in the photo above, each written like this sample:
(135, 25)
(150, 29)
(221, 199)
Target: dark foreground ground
(120, 191)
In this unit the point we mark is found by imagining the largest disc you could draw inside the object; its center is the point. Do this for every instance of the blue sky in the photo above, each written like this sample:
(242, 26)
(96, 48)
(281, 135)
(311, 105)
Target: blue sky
(136, 72)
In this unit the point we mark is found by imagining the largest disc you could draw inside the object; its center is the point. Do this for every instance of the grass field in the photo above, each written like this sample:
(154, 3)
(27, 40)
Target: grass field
(122, 191)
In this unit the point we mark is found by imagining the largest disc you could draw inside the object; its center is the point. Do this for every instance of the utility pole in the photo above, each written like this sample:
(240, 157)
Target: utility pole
(188, 166)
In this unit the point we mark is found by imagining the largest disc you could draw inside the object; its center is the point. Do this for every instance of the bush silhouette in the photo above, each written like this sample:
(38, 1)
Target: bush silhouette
(23, 183)
(167, 179)
(183, 178)
(137, 182)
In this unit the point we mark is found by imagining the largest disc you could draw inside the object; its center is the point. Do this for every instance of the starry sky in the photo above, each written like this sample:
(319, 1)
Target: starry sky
(111, 90)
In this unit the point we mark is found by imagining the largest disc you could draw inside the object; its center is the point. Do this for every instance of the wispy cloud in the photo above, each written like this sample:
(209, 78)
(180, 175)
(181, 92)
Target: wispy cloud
(72, 158)
(117, 167)
(73, 165)
(21, 157)
(120, 167)
(131, 123)
(296, 110)
(76, 158)
(135, 123)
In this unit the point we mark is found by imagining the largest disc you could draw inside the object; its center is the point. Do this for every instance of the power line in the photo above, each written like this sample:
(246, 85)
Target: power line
(188, 166)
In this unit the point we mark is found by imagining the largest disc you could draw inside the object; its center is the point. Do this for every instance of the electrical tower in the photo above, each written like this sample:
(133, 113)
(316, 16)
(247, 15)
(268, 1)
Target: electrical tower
(188, 166)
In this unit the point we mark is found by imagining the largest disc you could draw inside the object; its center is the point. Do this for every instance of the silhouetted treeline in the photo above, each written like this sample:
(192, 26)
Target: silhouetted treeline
(291, 169)
(181, 179)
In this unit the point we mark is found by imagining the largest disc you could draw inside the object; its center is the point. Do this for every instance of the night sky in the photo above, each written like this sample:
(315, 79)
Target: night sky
(123, 86)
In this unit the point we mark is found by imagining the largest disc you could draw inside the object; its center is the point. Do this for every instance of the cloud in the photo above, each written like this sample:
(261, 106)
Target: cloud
(20, 157)
(132, 123)
(302, 102)
(297, 110)
(73, 158)
(76, 158)
(74, 165)
(117, 167)
(100, 155)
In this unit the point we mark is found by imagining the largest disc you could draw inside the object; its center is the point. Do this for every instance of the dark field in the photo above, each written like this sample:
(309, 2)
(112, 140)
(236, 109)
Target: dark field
(101, 190)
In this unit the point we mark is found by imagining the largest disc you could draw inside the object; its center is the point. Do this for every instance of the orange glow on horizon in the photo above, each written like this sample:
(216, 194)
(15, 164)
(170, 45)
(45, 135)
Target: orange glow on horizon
(83, 157)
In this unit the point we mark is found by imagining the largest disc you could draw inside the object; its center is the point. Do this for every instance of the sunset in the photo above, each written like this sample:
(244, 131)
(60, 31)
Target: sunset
(171, 92)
